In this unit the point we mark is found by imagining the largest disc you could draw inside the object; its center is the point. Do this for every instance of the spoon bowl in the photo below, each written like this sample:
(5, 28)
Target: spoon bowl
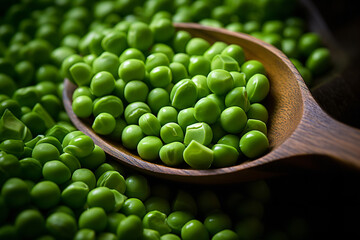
(300, 133)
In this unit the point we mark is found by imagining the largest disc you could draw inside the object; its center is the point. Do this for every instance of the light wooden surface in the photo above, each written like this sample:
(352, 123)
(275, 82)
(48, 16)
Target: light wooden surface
(301, 134)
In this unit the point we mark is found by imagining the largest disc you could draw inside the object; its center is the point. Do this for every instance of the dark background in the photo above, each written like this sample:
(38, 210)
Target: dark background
(330, 203)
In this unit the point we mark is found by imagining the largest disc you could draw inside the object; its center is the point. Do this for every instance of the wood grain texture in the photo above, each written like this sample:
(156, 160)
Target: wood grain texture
(298, 129)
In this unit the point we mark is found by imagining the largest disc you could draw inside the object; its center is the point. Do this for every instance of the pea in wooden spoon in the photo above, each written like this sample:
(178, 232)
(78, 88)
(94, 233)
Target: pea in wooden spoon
(301, 134)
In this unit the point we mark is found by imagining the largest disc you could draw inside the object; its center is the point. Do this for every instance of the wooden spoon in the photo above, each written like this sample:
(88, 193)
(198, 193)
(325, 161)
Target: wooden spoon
(301, 134)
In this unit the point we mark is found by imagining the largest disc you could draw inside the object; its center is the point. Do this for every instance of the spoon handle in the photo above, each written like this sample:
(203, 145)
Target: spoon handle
(320, 134)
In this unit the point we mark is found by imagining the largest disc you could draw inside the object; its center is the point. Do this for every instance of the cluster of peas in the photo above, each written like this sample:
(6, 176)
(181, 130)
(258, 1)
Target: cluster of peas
(61, 187)
(36, 201)
(272, 21)
(170, 96)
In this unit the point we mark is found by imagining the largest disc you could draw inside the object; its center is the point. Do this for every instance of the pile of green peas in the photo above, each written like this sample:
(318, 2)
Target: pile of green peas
(170, 96)
(45, 188)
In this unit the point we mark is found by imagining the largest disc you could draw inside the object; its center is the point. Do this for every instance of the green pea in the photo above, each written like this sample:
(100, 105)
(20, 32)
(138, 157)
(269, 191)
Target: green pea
(70, 161)
(308, 42)
(131, 136)
(84, 175)
(82, 106)
(252, 67)
(236, 52)
(103, 83)
(162, 29)
(112, 180)
(155, 60)
(149, 124)
(75, 195)
(231, 140)
(235, 27)
(171, 154)
(167, 114)
(61, 225)
(12, 128)
(38, 51)
(238, 97)
(85, 234)
(56, 171)
(107, 62)
(176, 220)
(160, 76)
(11, 105)
(217, 222)
(226, 234)
(140, 36)
(15, 192)
(197, 46)
(206, 110)
(319, 61)
(114, 42)
(178, 71)
(224, 155)
(163, 48)
(186, 117)
(93, 218)
(254, 124)
(180, 41)
(83, 91)
(199, 65)
(233, 119)
(194, 229)
(45, 194)
(150, 234)
(27, 96)
(258, 111)
(101, 197)
(257, 87)
(7, 85)
(289, 47)
(131, 53)
(215, 49)
(25, 71)
(130, 228)
(79, 146)
(35, 123)
(67, 64)
(137, 186)
(136, 91)
(183, 94)
(113, 221)
(254, 143)
(81, 73)
(220, 81)
(182, 58)
(45, 152)
(12, 146)
(171, 132)
(226, 62)
(30, 223)
(200, 132)
(134, 111)
(59, 54)
(198, 156)
(148, 148)
(104, 124)
(158, 98)
(251, 26)
(157, 221)
(30, 169)
(134, 206)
